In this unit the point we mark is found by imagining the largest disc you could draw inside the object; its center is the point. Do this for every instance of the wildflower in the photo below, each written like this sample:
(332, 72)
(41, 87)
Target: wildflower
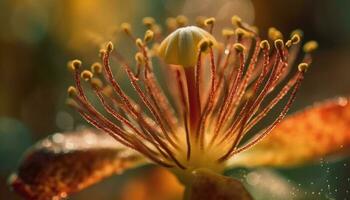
(220, 92)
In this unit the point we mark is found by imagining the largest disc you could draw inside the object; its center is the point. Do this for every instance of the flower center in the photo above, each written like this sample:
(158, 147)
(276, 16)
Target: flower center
(219, 91)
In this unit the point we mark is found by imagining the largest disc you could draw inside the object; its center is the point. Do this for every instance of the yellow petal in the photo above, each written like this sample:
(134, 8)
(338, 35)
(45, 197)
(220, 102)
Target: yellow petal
(66, 163)
(319, 131)
(211, 186)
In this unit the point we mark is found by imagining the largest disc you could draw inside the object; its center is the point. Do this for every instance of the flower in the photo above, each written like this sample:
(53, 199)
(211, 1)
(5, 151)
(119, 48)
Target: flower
(220, 92)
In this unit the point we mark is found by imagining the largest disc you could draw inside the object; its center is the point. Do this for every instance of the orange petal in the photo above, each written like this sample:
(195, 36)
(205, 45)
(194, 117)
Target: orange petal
(316, 132)
(211, 186)
(155, 184)
(66, 163)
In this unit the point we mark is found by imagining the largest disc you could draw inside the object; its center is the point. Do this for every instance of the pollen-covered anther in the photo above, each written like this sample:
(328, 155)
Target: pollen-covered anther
(107, 91)
(200, 21)
(148, 21)
(279, 44)
(96, 68)
(237, 21)
(139, 43)
(101, 53)
(298, 32)
(181, 20)
(242, 33)
(72, 91)
(109, 47)
(310, 46)
(303, 67)
(86, 75)
(171, 23)
(239, 47)
(210, 21)
(265, 45)
(274, 34)
(75, 65)
(149, 35)
(70, 102)
(295, 39)
(139, 58)
(204, 45)
(227, 32)
(96, 83)
(126, 28)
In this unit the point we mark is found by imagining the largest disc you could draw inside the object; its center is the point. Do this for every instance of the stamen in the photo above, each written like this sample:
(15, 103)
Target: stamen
(181, 21)
(86, 75)
(148, 22)
(200, 21)
(310, 46)
(228, 33)
(210, 23)
(126, 28)
(237, 21)
(171, 24)
(96, 68)
(149, 35)
(72, 91)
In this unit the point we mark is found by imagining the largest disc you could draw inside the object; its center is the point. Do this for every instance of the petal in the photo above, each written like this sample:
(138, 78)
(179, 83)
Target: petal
(63, 164)
(319, 131)
(210, 186)
(154, 184)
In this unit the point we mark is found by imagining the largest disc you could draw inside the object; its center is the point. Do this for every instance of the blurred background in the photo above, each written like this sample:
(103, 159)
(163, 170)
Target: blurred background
(38, 37)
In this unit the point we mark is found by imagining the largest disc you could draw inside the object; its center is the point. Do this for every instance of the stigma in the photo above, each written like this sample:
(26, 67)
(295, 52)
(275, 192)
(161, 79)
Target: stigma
(216, 92)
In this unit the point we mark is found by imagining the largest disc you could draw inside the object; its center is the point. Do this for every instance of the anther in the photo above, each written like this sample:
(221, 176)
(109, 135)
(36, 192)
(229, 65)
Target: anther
(227, 32)
(274, 34)
(204, 45)
(310, 46)
(240, 32)
(76, 64)
(109, 47)
(181, 20)
(171, 23)
(149, 35)
(200, 21)
(96, 68)
(303, 67)
(210, 21)
(70, 102)
(107, 91)
(101, 53)
(139, 58)
(295, 39)
(237, 21)
(86, 75)
(126, 28)
(139, 43)
(148, 21)
(279, 45)
(96, 83)
(72, 91)
(239, 47)
(297, 32)
(70, 66)
(265, 45)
